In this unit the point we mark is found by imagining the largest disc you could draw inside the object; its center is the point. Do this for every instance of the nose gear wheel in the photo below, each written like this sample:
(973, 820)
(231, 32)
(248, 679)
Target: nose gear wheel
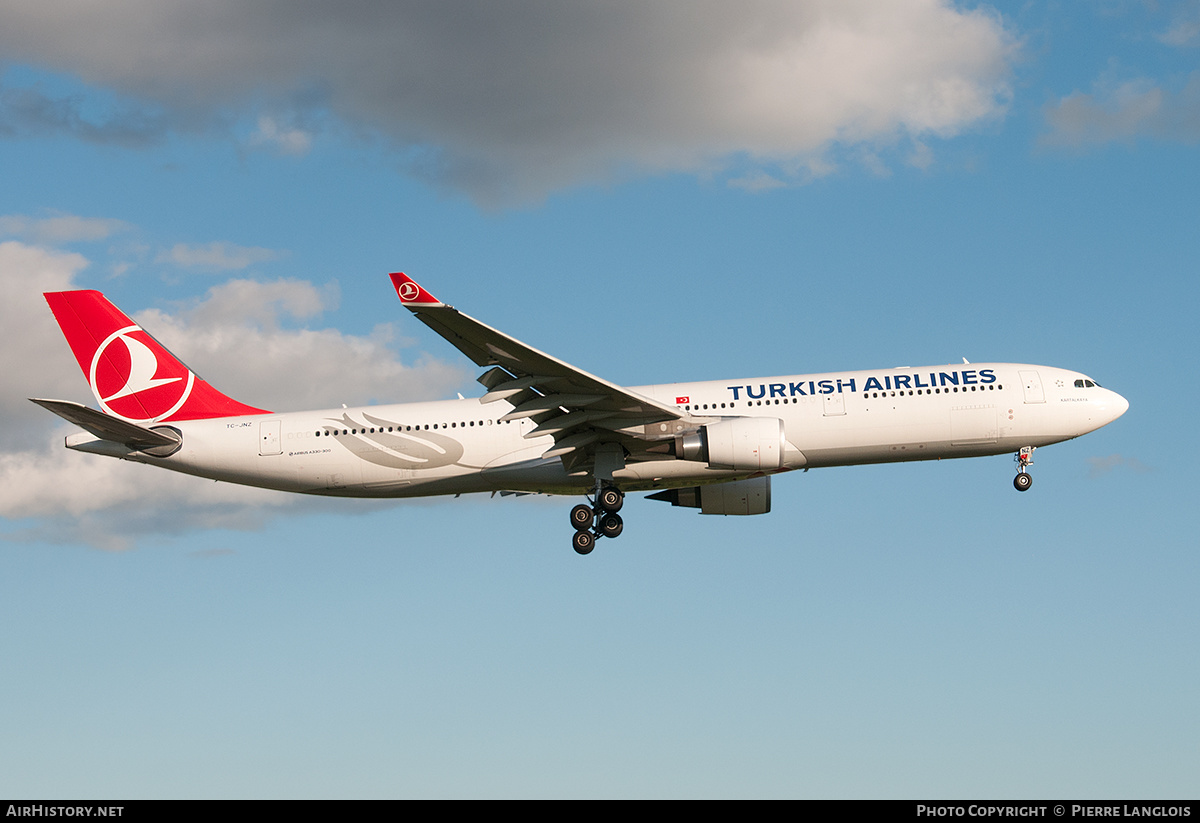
(1024, 459)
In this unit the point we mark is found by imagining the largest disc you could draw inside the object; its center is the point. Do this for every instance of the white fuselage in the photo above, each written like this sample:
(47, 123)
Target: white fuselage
(460, 446)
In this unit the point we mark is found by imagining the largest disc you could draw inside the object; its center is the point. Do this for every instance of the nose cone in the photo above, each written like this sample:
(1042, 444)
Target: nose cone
(1113, 406)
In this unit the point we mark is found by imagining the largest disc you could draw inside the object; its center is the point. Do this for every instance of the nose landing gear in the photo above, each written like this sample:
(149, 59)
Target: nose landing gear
(598, 520)
(1024, 458)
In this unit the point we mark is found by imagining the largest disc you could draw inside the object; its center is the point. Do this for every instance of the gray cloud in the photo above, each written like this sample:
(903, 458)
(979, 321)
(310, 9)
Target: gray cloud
(508, 101)
(1126, 111)
(1104, 465)
(30, 112)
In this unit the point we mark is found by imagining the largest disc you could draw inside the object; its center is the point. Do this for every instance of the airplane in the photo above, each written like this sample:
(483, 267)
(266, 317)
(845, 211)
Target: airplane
(544, 426)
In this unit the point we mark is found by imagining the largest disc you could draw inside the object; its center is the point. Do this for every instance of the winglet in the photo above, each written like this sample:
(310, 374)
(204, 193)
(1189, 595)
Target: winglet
(411, 293)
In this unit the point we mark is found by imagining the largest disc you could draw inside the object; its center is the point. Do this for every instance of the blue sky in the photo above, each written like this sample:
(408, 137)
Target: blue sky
(674, 193)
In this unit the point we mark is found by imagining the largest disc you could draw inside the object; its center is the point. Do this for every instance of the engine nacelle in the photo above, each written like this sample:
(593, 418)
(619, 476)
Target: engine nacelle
(741, 444)
(751, 496)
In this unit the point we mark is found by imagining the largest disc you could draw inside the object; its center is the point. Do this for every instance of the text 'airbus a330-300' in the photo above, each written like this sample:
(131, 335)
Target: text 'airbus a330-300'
(544, 426)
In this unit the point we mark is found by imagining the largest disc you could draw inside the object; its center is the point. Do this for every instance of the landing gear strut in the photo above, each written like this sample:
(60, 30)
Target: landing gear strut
(1024, 480)
(599, 520)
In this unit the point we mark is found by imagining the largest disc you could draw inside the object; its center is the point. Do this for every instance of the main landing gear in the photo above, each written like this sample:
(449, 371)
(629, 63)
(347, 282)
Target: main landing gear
(1024, 458)
(598, 520)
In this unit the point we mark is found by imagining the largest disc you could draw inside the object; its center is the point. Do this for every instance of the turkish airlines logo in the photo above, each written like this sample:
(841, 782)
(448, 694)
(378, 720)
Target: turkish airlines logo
(409, 291)
(130, 383)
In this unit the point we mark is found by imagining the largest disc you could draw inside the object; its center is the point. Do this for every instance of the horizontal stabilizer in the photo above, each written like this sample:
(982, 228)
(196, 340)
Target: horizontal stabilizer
(107, 427)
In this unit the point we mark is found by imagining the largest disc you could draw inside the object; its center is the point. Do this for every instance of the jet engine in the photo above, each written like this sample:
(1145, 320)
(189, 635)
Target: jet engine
(740, 443)
(750, 496)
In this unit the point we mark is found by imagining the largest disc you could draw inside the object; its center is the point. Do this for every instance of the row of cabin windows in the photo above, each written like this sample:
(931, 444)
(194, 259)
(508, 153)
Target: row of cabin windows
(948, 390)
(733, 405)
(426, 427)
(866, 395)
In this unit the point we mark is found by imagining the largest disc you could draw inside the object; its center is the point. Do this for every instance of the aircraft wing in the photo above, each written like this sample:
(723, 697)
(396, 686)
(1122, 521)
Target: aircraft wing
(578, 409)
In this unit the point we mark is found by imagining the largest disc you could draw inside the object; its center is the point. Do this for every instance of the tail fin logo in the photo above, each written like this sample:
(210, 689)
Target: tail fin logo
(129, 381)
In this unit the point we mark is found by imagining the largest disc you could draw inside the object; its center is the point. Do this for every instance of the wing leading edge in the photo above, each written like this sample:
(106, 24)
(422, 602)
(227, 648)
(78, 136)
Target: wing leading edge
(580, 411)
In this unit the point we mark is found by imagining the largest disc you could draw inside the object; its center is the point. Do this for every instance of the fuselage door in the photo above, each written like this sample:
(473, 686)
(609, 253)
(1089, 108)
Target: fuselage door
(1032, 384)
(835, 404)
(268, 437)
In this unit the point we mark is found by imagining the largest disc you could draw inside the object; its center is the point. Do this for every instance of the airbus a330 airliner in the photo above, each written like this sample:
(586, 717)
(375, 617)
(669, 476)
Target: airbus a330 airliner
(544, 426)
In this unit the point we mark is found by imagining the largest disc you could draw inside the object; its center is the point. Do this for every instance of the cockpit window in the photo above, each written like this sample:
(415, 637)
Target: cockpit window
(1088, 384)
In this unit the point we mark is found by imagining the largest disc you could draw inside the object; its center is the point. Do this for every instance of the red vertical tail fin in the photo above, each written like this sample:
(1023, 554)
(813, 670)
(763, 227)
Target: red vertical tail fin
(131, 374)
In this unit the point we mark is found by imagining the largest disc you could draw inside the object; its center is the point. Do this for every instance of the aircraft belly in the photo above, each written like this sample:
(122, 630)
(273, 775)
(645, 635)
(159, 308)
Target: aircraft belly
(669, 473)
(898, 453)
(536, 475)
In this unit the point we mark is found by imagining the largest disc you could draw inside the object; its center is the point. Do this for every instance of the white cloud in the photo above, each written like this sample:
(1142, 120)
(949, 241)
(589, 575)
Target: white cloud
(71, 497)
(217, 256)
(56, 228)
(240, 337)
(921, 156)
(756, 181)
(245, 337)
(508, 101)
(34, 358)
(1185, 27)
(286, 140)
